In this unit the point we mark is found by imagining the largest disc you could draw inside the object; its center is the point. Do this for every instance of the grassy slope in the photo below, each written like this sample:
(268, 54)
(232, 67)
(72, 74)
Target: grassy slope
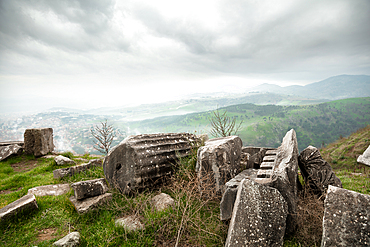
(195, 221)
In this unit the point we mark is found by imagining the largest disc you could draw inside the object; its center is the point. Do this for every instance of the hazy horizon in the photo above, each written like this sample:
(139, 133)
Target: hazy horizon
(91, 54)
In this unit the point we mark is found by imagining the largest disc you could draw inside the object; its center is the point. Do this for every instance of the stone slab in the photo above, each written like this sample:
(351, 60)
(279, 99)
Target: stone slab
(10, 150)
(365, 157)
(90, 188)
(49, 190)
(259, 216)
(91, 203)
(346, 218)
(26, 203)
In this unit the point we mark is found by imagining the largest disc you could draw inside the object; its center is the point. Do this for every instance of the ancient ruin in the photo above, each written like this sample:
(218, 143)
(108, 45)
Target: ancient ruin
(38, 142)
(69, 171)
(141, 161)
(26, 203)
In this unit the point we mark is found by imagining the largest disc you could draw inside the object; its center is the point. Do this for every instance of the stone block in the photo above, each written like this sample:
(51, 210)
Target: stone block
(90, 188)
(142, 161)
(61, 160)
(10, 150)
(130, 223)
(365, 157)
(229, 196)
(317, 173)
(70, 240)
(38, 141)
(346, 218)
(218, 162)
(26, 203)
(69, 171)
(162, 201)
(259, 216)
(49, 190)
(91, 203)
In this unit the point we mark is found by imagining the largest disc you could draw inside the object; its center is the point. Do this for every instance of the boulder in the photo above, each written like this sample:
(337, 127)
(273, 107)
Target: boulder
(10, 150)
(162, 201)
(259, 216)
(70, 240)
(130, 223)
(26, 203)
(229, 196)
(90, 188)
(49, 190)
(61, 160)
(218, 162)
(91, 203)
(143, 161)
(38, 141)
(317, 173)
(69, 171)
(346, 218)
(365, 157)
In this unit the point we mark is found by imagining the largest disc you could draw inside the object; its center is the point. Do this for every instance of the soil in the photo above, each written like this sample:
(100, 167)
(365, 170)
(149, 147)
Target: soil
(9, 191)
(47, 234)
(24, 166)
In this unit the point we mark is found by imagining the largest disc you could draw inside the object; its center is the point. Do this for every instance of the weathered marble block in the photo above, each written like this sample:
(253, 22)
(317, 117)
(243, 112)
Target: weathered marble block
(90, 188)
(91, 203)
(38, 142)
(69, 171)
(49, 190)
(26, 203)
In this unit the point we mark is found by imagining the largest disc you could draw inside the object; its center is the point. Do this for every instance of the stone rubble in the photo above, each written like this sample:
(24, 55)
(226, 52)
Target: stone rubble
(70, 240)
(26, 203)
(365, 157)
(69, 171)
(61, 160)
(90, 188)
(49, 190)
(91, 203)
(10, 150)
(162, 201)
(130, 223)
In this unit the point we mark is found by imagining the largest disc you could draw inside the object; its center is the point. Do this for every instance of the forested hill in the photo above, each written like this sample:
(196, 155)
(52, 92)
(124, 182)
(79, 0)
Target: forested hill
(265, 125)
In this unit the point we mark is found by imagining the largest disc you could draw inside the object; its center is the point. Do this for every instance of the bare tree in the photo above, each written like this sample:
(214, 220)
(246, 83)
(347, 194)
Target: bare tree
(103, 136)
(223, 125)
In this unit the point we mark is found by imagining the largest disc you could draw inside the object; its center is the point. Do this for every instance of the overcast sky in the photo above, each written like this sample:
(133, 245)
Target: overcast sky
(111, 53)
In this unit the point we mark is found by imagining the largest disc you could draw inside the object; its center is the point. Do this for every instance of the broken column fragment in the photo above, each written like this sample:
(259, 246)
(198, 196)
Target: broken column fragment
(218, 162)
(38, 142)
(259, 216)
(346, 218)
(139, 162)
(317, 173)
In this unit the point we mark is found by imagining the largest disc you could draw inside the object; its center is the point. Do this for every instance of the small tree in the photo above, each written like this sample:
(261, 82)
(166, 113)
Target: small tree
(103, 136)
(223, 125)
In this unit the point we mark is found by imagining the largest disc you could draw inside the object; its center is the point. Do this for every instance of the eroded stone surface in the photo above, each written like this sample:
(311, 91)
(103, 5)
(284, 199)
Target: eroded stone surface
(49, 190)
(26, 203)
(130, 223)
(85, 205)
(90, 188)
(229, 196)
(259, 216)
(218, 162)
(141, 161)
(317, 173)
(365, 157)
(62, 160)
(10, 150)
(38, 142)
(162, 201)
(346, 218)
(69, 171)
(70, 240)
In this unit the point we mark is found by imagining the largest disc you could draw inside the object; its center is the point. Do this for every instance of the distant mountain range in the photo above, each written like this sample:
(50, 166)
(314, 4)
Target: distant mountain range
(333, 88)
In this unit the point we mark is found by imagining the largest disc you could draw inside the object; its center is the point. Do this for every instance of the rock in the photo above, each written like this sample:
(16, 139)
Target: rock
(70, 240)
(162, 201)
(142, 161)
(38, 141)
(61, 161)
(8, 143)
(130, 223)
(69, 171)
(317, 173)
(229, 196)
(218, 162)
(10, 150)
(346, 218)
(91, 203)
(90, 188)
(259, 216)
(49, 190)
(365, 157)
(26, 203)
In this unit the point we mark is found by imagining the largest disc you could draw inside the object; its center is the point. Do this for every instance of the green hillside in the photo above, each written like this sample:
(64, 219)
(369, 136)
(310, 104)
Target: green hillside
(265, 125)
